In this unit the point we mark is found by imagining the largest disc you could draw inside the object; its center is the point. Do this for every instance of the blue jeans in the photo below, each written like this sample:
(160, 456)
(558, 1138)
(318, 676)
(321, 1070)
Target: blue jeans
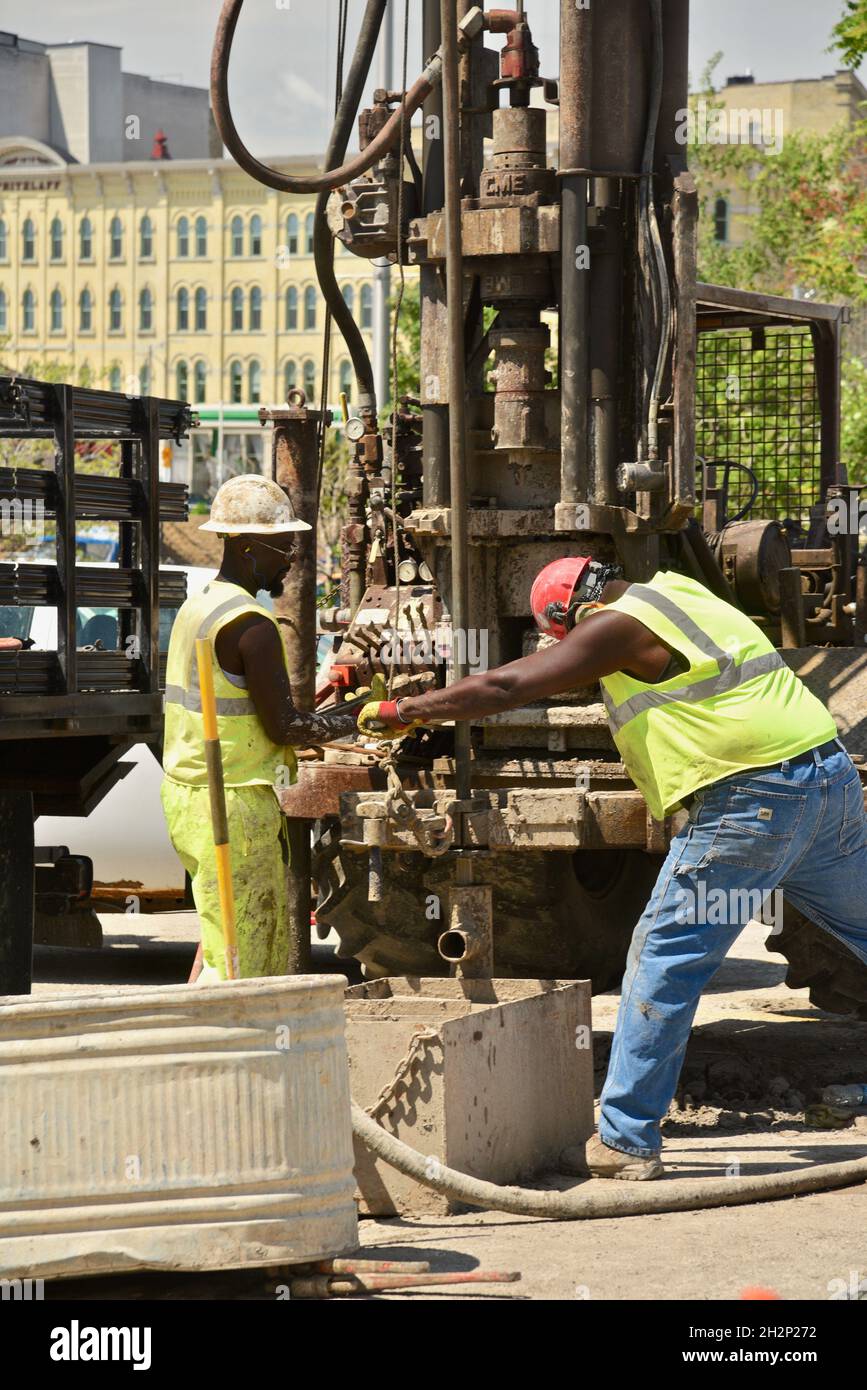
(801, 829)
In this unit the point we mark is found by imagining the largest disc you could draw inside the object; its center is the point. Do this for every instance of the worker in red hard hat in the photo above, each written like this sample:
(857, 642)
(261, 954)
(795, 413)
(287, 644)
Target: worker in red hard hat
(707, 717)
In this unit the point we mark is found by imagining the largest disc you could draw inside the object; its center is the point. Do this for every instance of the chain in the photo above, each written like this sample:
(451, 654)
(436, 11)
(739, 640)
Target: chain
(403, 1073)
(431, 841)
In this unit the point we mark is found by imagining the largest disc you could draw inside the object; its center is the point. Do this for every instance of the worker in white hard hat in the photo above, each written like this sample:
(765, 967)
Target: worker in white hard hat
(258, 725)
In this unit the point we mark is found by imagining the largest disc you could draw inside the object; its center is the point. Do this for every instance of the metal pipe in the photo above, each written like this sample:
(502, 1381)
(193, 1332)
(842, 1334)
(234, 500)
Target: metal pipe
(576, 33)
(382, 269)
(295, 466)
(435, 416)
(457, 378)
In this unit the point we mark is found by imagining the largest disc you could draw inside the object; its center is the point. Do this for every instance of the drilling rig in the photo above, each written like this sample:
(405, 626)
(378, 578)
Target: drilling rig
(570, 400)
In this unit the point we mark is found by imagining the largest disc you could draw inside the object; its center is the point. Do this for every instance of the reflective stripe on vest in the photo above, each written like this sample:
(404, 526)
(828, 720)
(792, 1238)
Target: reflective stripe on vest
(191, 698)
(729, 676)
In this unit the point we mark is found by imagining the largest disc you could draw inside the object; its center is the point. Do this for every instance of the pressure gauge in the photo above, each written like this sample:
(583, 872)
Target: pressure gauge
(355, 429)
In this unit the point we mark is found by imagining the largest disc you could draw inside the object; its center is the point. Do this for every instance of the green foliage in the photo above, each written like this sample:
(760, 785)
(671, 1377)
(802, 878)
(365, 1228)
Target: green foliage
(808, 210)
(408, 343)
(853, 448)
(850, 35)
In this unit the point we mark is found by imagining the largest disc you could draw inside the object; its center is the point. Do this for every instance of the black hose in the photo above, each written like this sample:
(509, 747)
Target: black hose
(313, 183)
(323, 243)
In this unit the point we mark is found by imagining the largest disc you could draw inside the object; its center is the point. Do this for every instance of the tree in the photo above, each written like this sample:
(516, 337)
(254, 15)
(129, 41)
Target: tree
(804, 234)
(850, 35)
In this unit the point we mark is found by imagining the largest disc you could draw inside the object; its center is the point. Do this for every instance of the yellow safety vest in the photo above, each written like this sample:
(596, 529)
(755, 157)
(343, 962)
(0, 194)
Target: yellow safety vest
(250, 758)
(738, 706)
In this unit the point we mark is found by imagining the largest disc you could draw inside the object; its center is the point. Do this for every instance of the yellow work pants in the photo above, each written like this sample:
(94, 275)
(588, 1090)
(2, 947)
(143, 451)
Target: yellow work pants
(260, 861)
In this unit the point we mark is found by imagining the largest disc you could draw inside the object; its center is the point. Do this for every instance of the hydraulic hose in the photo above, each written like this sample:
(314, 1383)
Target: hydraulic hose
(331, 178)
(322, 238)
(618, 1199)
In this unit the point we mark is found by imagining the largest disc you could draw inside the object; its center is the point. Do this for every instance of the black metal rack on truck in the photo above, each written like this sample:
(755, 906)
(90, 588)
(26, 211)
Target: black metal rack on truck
(68, 716)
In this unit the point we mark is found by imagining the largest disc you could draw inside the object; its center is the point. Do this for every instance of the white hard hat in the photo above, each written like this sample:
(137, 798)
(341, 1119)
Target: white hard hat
(250, 505)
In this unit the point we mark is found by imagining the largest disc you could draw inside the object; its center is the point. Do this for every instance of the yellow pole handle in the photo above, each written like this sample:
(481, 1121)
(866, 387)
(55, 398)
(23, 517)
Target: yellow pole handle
(219, 817)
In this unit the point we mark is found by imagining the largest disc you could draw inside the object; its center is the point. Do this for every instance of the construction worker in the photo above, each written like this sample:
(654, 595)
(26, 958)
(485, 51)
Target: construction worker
(257, 722)
(706, 716)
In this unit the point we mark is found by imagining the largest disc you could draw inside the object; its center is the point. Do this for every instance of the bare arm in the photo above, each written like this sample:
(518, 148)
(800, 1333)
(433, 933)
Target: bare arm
(251, 647)
(600, 645)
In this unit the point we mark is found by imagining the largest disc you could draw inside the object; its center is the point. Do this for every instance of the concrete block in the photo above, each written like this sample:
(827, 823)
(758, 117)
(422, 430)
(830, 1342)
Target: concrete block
(498, 1082)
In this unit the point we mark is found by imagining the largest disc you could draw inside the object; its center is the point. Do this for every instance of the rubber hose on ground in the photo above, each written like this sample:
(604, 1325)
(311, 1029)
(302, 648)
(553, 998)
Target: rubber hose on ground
(619, 1198)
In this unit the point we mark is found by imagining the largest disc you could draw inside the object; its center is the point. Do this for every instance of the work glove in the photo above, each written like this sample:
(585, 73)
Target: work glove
(377, 690)
(378, 719)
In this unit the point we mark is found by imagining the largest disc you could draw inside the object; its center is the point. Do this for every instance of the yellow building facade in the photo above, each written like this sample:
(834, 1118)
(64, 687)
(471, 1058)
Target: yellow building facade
(179, 278)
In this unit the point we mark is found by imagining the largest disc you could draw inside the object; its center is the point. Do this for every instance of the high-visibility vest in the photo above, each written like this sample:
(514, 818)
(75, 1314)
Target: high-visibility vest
(250, 758)
(738, 705)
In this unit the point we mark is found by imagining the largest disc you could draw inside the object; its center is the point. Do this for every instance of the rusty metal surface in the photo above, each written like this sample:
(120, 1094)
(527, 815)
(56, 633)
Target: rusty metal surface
(500, 231)
(838, 677)
(317, 792)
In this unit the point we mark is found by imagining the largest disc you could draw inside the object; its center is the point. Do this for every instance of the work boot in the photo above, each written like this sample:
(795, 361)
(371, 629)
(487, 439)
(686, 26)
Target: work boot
(599, 1160)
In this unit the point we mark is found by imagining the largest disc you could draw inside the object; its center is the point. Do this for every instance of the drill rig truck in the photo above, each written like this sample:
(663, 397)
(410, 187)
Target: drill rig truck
(579, 392)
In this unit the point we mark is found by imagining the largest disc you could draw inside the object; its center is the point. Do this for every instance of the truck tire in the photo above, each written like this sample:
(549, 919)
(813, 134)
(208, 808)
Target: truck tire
(836, 979)
(557, 915)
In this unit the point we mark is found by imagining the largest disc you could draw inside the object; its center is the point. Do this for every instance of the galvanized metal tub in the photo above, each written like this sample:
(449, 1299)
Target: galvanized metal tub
(179, 1128)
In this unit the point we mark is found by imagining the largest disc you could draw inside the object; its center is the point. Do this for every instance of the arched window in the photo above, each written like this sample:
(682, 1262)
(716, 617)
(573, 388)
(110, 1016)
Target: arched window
(115, 312)
(308, 233)
(144, 379)
(145, 311)
(237, 236)
(366, 306)
(201, 302)
(85, 311)
(290, 377)
(292, 234)
(4, 311)
(721, 220)
(200, 381)
(291, 309)
(201, 236)
(28, 311)
(114, 379)
(254, 382)
(310, 307)
(182, 380)
(349, 298)
(115, 239)
(255, 309)
(4, 240)
(55, 311)
(183, 234)
(236, 311)
(85, 239)
(346, 380)
(56, 239)
(183, 310)
(255, 235)
(28, 240)
(146, 238)
(310, 379)
(235, 383)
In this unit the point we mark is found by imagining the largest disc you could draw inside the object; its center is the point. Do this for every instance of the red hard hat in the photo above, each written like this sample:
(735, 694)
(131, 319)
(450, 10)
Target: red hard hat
(553, 590)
